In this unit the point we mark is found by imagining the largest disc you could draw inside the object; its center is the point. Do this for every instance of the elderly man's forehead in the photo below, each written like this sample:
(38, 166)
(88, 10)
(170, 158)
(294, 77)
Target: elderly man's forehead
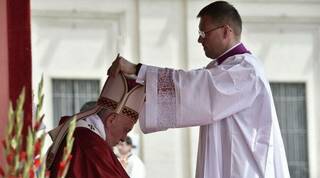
(126, 118)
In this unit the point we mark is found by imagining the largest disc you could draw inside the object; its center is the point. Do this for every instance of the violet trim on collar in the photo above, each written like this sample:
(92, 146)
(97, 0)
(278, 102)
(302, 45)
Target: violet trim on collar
(239, 49)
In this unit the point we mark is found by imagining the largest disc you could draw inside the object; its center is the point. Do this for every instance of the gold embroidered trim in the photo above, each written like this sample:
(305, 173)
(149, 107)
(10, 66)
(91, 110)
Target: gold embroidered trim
(111, 104)
(107, 103)
(130, 113)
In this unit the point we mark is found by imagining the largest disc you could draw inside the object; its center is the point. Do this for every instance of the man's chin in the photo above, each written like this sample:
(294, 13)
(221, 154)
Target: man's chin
(207, 54)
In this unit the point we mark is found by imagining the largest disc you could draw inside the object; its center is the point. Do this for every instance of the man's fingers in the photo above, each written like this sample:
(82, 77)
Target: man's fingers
(115, 67)
(117, 70)
(120, 64)
(118, 56)
(109, 71)
(112, 71)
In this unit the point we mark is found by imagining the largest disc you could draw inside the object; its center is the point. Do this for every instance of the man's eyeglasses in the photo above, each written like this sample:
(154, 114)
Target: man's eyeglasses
(202, 34)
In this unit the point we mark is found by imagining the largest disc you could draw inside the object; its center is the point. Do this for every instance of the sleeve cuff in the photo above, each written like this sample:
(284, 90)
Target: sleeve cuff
(142, 75)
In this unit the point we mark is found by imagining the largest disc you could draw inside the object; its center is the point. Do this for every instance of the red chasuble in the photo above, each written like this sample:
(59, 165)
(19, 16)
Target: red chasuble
(92, 157)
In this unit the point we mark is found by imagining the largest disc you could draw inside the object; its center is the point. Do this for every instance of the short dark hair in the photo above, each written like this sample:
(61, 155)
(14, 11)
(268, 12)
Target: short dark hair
(88, 105)
(103, 113)
(223, 12)
(128, 141)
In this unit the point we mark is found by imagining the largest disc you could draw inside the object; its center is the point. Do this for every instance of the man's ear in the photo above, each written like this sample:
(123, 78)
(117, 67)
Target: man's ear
(227, 30)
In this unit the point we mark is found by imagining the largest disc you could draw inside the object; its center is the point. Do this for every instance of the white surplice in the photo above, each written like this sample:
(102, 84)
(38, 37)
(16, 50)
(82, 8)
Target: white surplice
(233, 105)
(93, 123)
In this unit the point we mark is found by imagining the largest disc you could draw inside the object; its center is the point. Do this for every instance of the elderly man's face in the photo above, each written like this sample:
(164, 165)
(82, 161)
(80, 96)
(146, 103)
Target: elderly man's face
(117, 128)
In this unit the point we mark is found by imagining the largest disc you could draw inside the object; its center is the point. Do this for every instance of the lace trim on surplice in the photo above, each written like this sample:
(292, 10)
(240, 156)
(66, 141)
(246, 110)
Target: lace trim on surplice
(166, 99)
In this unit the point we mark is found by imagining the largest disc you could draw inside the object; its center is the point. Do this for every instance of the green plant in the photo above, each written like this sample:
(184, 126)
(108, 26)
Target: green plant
(29, 161)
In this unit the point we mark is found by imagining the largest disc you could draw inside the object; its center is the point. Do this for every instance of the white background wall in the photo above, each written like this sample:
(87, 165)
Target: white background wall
(79, 39)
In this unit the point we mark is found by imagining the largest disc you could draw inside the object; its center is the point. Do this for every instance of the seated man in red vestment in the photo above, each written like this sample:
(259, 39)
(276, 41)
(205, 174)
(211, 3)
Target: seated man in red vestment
(97, 131)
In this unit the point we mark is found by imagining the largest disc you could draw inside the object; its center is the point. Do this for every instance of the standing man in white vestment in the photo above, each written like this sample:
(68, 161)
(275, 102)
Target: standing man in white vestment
(230, 99)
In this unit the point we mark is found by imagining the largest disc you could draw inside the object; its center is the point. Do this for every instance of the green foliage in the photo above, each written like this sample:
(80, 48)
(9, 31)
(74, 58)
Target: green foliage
(29, 161)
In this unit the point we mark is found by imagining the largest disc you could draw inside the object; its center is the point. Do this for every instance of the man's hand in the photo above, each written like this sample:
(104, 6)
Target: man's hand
(120, 64)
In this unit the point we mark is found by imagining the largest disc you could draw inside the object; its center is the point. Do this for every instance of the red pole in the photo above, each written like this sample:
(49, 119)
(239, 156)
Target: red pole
(15, 56)
(4, 72)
